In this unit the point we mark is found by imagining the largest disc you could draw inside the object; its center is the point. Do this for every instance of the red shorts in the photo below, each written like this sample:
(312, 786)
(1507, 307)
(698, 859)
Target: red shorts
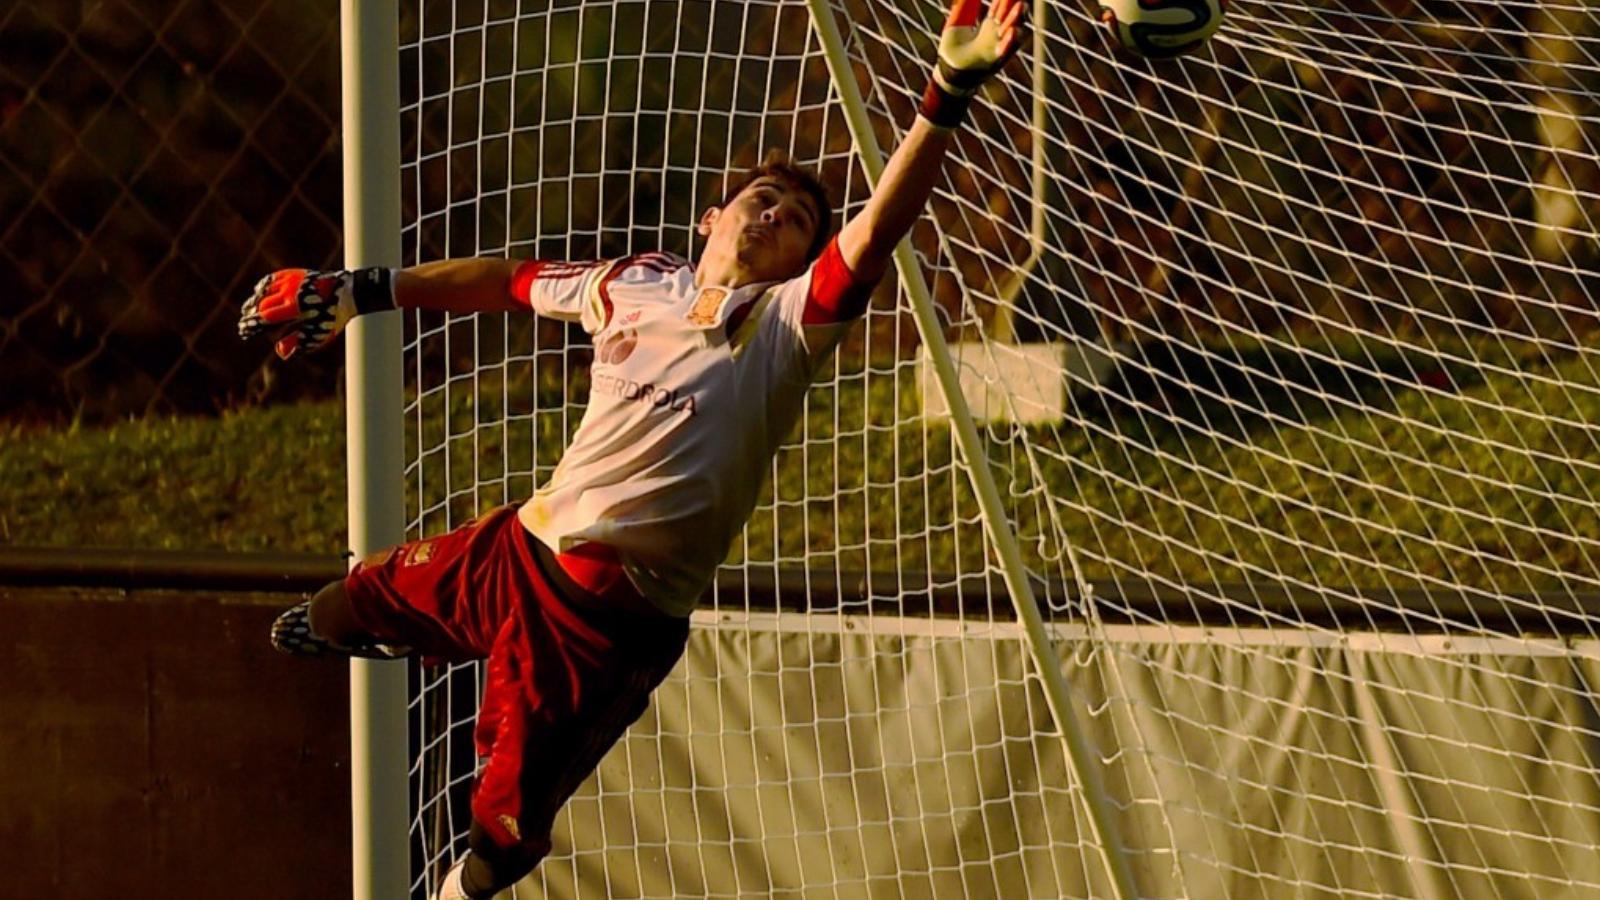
(573, 651)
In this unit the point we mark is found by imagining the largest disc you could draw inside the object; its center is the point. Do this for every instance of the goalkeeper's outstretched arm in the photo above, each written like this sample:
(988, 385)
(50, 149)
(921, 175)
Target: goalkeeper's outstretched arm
(305, 310)
(972, 48)
(458, 286)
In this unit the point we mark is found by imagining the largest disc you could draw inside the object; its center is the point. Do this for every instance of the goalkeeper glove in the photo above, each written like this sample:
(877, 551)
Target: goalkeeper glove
(970, 52)
(305, 309)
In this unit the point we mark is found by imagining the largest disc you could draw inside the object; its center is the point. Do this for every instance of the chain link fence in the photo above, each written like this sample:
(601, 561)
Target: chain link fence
(155, 159)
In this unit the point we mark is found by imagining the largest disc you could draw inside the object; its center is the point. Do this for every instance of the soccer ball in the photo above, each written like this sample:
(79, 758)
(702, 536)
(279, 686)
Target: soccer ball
(1161, 28)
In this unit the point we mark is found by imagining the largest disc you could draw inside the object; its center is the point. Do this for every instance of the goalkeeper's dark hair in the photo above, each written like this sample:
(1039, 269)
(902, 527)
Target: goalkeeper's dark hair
(778, 165)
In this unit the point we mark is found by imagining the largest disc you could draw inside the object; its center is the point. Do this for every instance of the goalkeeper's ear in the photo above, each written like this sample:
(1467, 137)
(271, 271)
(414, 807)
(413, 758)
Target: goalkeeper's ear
(708, 221)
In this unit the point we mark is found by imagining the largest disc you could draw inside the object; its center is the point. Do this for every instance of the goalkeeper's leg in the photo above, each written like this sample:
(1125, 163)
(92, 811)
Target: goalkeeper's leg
(422, 594)
(325, 625)
(565, 679)
(488, 868)
(332, 617)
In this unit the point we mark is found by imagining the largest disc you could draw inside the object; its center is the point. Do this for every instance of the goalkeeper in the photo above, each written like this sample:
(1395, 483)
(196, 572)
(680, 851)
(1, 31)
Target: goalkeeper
(579, 598)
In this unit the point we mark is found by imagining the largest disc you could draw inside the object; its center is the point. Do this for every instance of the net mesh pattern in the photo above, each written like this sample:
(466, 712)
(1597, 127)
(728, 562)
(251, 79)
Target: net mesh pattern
(1285, 355)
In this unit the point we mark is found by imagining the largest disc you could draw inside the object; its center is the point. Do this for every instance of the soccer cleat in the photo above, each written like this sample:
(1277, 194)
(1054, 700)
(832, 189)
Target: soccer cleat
(292, 634)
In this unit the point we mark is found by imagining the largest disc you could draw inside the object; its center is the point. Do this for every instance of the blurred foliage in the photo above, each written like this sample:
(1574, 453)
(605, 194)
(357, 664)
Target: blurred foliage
(1369, 166)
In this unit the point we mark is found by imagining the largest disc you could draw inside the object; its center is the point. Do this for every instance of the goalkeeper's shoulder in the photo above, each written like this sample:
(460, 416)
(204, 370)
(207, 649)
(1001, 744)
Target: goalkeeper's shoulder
(836, 293)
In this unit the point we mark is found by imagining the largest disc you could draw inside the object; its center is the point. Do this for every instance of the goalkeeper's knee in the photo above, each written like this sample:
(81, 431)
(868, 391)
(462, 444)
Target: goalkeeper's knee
(331, 617)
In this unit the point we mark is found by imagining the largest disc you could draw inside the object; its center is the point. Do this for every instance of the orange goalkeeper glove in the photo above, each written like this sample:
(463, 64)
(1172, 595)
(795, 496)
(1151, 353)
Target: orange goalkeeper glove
(970, 52)
(306, 309)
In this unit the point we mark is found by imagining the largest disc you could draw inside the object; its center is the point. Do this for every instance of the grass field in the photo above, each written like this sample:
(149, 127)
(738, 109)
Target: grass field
(1484, 481)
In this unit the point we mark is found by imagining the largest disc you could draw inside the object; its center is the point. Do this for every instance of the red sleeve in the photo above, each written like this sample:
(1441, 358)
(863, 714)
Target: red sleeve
(836, 294)
(529, 271)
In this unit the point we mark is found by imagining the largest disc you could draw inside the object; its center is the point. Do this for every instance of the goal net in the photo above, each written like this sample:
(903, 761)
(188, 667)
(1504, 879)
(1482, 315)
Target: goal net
(1283, 362)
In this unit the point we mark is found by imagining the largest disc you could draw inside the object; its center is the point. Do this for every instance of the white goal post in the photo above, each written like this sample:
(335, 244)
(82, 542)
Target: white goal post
(1085, 767)
(1303, 516)
(375, 485)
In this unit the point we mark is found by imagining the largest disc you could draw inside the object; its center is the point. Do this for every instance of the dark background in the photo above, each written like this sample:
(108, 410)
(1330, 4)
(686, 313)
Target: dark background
(155, 159)
(153, 745)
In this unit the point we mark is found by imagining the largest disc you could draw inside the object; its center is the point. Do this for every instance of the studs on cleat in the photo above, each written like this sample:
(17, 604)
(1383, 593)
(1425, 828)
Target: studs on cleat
(291, 634)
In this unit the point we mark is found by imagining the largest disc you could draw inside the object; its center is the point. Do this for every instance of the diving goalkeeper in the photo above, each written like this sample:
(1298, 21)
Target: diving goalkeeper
(579, 598)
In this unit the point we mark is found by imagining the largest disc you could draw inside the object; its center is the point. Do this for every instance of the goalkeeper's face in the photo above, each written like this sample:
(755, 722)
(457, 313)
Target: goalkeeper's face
(764, 233)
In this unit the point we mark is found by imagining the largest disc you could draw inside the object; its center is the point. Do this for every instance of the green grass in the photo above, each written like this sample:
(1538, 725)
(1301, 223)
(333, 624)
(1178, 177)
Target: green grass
(1477, 485)
(270, 479)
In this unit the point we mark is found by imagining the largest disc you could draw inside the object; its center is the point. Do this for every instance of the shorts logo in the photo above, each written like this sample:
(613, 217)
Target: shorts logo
(615, 348)
(419, 553)
(510, 825)
(706, 306)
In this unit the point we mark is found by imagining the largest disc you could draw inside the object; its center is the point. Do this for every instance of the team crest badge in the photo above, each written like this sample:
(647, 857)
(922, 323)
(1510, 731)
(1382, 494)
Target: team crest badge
(706, 307)
(419, 553)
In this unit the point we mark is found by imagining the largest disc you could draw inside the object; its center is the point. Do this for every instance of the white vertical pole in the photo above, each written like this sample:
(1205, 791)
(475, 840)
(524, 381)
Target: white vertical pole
(370, 64)
(1005, 327)
(1080, 756)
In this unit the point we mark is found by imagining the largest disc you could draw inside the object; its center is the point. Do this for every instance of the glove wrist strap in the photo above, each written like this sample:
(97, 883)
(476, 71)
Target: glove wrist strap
(942, 107)
(372, 289)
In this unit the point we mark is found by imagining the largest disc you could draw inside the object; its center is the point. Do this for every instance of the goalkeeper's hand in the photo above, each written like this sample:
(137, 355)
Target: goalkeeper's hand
(970, 52)
(304, 310)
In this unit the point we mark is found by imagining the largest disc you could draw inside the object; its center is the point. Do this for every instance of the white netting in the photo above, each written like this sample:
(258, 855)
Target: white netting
(1322, 302)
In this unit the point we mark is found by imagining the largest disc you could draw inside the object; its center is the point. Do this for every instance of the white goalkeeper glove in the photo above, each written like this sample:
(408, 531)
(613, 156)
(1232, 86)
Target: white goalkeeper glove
(970, 52)
(305, 310)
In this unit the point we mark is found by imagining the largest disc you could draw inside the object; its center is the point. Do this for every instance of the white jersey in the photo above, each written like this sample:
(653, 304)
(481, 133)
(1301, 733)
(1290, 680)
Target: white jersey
(692, 390)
